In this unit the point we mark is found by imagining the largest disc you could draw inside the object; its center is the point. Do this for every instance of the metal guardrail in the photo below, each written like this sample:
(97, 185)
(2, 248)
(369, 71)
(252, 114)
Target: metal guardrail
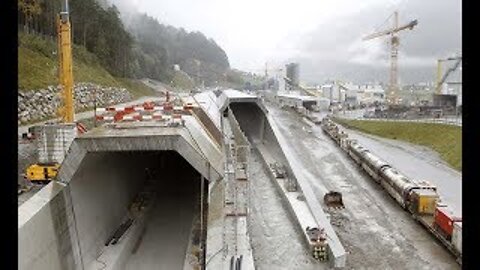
(355, 115)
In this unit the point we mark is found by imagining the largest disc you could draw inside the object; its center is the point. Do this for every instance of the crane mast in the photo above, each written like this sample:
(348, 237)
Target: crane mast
(65, 65)
(394, 61)
(394, 43)
(46, 168)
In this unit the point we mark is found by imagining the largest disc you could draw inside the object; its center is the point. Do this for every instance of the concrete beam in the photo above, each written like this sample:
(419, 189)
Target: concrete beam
(190, 142)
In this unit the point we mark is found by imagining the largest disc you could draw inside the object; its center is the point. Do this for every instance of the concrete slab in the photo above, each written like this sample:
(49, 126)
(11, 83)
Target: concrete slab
(190, 141)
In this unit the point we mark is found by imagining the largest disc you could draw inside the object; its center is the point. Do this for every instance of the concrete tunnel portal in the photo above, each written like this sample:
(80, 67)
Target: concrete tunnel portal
(70, 223)
(104, 187)
(249, 117)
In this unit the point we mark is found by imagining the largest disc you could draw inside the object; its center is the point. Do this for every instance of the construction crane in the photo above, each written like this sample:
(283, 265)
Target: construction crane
(45, 171)
(394, 41)
(440, 78)
(65, 70)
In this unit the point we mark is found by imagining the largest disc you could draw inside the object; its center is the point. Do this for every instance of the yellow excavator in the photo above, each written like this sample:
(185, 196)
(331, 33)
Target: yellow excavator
(46, 171)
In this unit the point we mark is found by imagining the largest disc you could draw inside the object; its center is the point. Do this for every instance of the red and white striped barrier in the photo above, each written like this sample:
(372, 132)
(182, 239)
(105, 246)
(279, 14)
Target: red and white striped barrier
(148, 111)
(138, 117)
(81, 128)
(129, 109)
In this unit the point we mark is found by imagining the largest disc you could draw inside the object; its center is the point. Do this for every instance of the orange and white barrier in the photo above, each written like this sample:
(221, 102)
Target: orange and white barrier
(147, 107)
(148, 111)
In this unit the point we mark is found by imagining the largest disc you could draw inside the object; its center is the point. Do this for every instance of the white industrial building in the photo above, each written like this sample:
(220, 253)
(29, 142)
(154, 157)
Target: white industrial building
(353, 94)
(369, 94)
(300, 101)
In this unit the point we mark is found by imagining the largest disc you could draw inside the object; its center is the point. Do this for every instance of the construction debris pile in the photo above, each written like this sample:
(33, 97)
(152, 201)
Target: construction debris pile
(43, 103)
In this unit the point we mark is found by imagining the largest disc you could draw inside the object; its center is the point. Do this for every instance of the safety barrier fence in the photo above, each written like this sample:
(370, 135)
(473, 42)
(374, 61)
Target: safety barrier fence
(148, 111)
(356, 115)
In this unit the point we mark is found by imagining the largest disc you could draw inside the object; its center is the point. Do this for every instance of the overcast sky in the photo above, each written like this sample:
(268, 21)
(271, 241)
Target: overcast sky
(324, 36)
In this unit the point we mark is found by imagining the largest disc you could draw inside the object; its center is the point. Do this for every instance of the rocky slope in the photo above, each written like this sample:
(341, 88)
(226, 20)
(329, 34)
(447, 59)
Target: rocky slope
(43, 104)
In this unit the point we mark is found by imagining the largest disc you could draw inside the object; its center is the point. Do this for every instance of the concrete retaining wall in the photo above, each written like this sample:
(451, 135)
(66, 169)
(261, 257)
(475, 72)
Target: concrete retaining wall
(54, 235)
(47, 238)
(259, 126)
(101, 191)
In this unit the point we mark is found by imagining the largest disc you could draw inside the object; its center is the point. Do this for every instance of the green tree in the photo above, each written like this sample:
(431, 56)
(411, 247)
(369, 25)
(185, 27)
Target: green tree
(30, 9)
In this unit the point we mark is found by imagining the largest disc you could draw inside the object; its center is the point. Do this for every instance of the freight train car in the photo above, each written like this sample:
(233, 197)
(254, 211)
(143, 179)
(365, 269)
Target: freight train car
(373, 165)
(397, 185)
(420, 198)
(355, 151)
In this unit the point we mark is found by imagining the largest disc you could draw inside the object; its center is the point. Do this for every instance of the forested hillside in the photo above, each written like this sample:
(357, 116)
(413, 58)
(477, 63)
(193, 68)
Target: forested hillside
(137, 47)
(159, 47)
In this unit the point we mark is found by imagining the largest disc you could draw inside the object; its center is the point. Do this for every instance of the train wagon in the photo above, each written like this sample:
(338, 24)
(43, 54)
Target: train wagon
(423, 200)
(420, 198)
(373, 165)
(397, 185)
(444, 220)
(457, 236)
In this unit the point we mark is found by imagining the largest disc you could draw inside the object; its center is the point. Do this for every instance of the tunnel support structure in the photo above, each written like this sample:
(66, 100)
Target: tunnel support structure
(49, 240)
(337, 252)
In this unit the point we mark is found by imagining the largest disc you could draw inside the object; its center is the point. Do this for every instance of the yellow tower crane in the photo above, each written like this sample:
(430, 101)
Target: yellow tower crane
(65, 65)
(394, 42)
(43, 172)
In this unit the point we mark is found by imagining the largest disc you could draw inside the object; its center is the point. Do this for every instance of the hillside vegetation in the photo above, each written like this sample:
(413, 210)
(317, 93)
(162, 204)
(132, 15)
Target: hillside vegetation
(38, 64)
(444, 139)
(146, 48)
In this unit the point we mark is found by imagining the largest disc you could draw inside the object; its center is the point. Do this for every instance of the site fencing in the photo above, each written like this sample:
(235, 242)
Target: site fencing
(363, 115)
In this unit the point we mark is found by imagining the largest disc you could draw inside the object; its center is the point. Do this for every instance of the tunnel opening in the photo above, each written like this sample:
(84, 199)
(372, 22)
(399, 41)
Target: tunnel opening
(171, 232)
(250, 118)
(253, 122)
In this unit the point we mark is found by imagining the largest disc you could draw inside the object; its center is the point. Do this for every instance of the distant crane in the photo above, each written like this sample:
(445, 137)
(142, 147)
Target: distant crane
(440, 78)
(395, 42)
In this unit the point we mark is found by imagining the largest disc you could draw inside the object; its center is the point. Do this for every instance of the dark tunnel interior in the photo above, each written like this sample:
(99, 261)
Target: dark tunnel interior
(106, 184)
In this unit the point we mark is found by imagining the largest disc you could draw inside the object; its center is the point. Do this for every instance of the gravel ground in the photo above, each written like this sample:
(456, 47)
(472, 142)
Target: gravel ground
(376, 232)
(276, 241)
